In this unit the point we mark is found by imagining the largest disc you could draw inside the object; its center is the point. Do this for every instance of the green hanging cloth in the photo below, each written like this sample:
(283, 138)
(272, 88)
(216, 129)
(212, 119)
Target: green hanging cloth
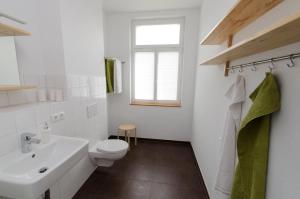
(109, 72)
(253, 142)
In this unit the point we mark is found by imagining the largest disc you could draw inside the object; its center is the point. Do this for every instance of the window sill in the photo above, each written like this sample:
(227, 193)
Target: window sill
(174, 105)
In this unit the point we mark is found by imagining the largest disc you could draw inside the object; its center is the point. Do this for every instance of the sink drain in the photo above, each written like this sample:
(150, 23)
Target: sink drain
(43, 170)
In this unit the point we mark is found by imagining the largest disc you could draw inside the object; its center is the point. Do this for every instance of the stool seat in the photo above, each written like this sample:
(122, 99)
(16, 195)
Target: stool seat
(127, 127)
(128, 130)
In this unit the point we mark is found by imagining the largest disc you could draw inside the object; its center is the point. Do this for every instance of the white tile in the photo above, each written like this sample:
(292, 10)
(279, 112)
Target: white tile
(56, 107)
(85, 92)
(99, 93)
(81, 121)
(102, 93)
(92, 81)
(83, 81)
(8, 143)
(93, 91)
(7, 123)
(42, 113)
(73, 81)
(100, 81)
(26, 119)
(72, 110)
(76, 92)
(58, 128)
(67, 93)
(3, 99)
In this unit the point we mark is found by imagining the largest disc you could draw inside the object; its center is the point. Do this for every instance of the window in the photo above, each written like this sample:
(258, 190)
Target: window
(156, 62)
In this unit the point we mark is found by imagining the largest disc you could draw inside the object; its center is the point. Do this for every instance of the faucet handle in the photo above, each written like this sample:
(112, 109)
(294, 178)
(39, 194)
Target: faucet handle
(27, 136)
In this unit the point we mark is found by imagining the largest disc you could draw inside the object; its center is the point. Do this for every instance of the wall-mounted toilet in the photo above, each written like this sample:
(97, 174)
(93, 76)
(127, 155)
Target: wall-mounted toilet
(105, 153)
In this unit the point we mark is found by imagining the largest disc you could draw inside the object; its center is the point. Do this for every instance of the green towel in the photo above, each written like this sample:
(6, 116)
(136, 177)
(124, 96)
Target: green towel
(253, 142)
(109, 72)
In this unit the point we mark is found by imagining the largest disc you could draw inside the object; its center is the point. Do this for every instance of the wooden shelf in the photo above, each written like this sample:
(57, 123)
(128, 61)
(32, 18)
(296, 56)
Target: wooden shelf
(281, 34)
(15, 88)
(8, 30)
(242, 14)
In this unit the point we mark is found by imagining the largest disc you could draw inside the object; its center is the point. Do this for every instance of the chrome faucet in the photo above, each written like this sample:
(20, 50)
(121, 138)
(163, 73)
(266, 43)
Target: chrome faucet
(26, 141)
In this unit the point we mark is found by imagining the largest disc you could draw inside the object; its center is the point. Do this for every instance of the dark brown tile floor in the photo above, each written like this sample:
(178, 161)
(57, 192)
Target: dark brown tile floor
(152, 170)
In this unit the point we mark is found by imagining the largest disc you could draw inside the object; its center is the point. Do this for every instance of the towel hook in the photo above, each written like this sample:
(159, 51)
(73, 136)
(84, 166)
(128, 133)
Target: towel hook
(272, 66)
(232, 70)
(253, 68)
(241, 69)
(292, 62)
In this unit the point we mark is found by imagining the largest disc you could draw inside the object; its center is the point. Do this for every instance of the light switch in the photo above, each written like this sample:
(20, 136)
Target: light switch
(54, 118)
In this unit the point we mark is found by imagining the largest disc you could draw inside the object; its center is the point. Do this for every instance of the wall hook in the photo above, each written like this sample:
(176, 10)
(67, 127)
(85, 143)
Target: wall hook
(272, 66)
(292, 62)
(232, 70)
(272, 63)
(241, 69)
(270, 69)
(253, 68)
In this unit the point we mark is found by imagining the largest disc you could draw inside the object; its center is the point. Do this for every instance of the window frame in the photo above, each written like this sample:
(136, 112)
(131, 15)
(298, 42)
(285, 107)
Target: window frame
(156, 49)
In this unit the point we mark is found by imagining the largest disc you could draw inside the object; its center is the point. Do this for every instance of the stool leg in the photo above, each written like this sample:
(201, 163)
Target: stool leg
(135, 139)
(128, 141)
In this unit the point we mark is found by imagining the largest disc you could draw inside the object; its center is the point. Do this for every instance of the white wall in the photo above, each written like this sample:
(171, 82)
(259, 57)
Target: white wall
(57, 55)
(152, 122)
(82, 36)
(211, 105)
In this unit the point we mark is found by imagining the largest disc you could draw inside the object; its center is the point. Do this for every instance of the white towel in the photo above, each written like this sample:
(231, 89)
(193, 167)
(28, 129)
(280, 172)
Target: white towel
(117, 76)
(236, 94)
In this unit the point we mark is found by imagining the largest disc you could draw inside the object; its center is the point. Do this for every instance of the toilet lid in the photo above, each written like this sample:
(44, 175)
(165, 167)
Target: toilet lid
(112, 146)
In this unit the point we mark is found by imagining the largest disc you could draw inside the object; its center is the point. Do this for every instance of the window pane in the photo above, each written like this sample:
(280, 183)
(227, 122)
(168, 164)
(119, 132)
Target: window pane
(144, 75)
(167, 78)
(158, 34)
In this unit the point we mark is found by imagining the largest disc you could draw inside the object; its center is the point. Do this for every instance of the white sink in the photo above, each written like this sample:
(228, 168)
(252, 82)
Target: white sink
(20, 175)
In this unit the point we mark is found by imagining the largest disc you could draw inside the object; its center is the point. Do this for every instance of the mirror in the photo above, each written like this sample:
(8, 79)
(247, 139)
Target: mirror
(9, 72)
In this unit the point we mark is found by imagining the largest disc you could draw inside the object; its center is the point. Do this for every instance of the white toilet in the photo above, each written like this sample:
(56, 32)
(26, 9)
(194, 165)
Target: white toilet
(105, 153)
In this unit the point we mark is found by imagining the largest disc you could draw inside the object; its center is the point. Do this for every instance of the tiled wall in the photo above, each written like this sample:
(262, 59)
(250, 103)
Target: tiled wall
(21, 111)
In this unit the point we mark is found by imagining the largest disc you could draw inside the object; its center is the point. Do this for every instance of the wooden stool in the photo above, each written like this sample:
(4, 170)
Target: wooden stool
(128, 129)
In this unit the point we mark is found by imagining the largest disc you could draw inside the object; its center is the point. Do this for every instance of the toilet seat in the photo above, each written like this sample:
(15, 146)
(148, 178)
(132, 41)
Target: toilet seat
(104, 153)
(112, 146)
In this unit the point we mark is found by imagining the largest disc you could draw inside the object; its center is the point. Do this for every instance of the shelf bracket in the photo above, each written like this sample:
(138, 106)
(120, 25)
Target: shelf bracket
(229, 44)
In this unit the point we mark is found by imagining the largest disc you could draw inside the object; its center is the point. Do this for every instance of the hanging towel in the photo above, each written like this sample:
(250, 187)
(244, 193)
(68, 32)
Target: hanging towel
(109, 72)
(237, 95)
(117, 76)
(253, 142)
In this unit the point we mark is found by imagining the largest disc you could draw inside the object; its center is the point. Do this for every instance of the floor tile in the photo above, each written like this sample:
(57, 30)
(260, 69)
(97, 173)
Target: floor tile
(163, 191)
(136, 189)
(141, 172)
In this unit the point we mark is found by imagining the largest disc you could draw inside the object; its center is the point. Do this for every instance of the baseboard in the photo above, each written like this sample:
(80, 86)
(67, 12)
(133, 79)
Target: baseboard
(151, 139)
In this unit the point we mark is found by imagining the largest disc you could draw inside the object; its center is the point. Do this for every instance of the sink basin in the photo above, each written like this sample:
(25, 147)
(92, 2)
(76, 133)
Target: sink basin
(28, 176)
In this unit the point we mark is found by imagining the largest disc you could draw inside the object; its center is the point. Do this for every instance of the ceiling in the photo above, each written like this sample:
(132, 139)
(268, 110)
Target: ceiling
(148, 5)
